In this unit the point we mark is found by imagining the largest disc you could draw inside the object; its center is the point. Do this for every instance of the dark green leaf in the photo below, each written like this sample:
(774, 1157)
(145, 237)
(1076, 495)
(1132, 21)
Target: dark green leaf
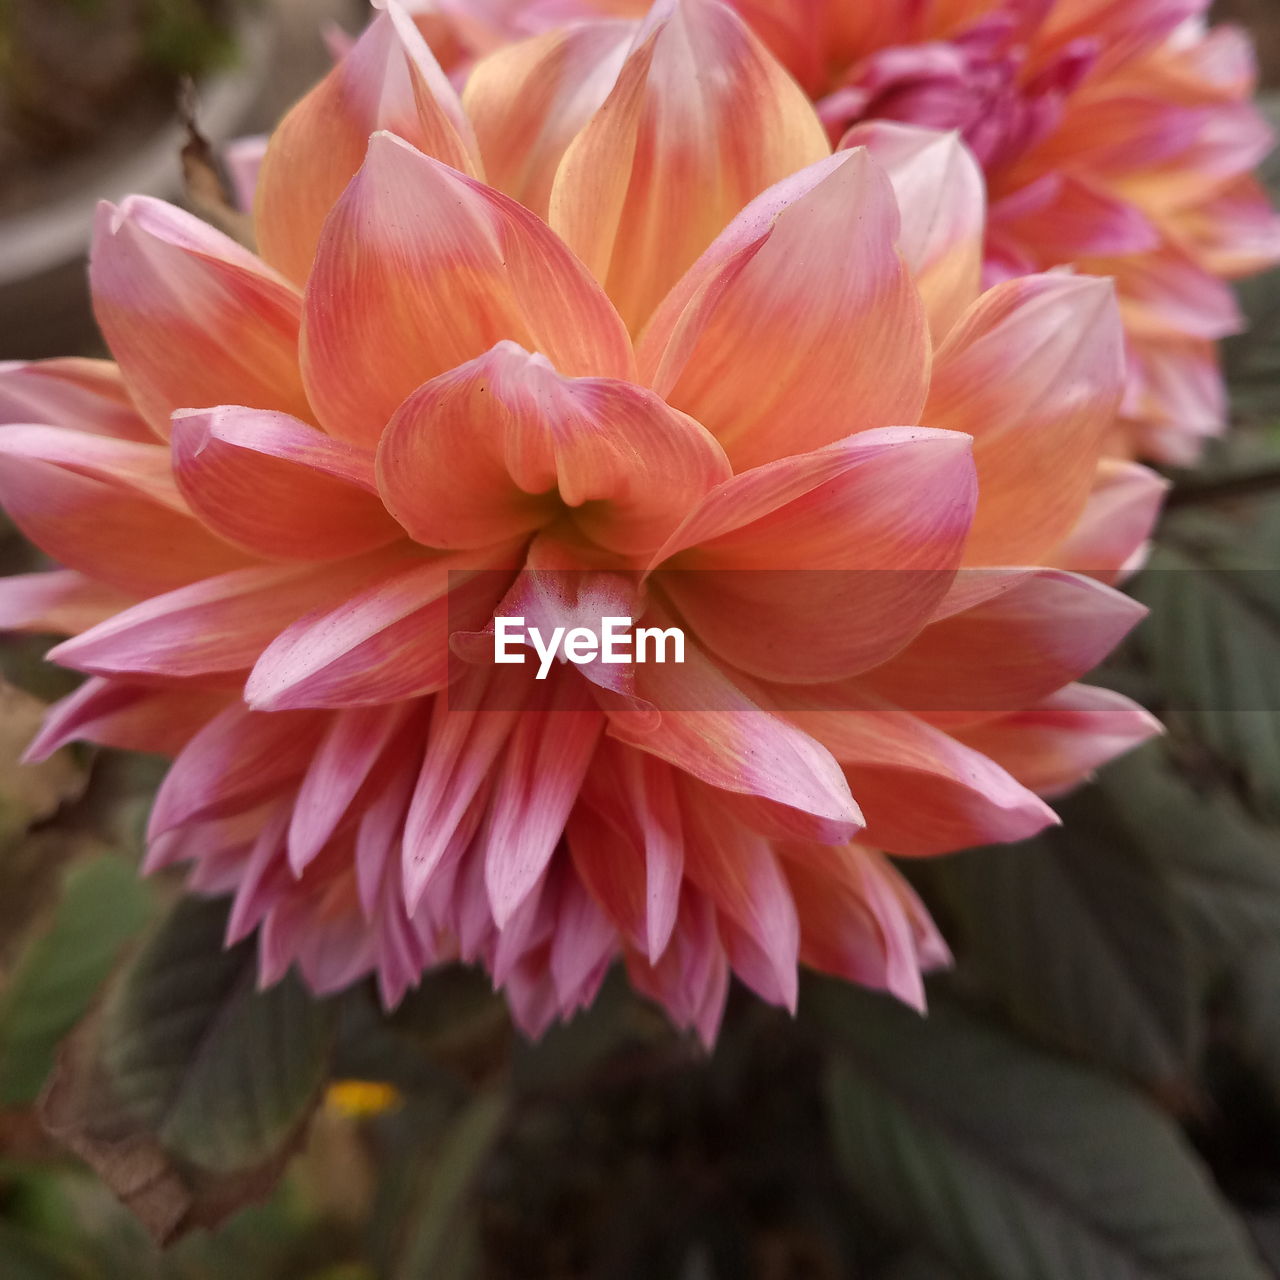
(103, 905)
(1010, 1164)
(191, 1088)
(1075, 937)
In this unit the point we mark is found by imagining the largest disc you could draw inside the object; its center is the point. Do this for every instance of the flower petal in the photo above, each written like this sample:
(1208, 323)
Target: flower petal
(63, 602)
(1034, 372)
(942, 196)
(106, 507)
(390, 80)
(193, 318)
(801, 325)
(701, 120)
(529, 100)
(278, 487)
(88, 395)
(1110, 539)
(824, 564)
(504, 443)
(420, 269)
(1037, 631)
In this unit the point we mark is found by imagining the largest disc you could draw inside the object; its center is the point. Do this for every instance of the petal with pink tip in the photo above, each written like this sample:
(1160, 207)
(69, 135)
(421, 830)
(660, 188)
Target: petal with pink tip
(700, 121)
(278, 487)
(921, 792)
(88, 395)
(420, 269)
(1233, 233)
(711, 728)
(942, 195)
(1109, 540)
(353, 744)
(1175, 398)
(388, 80)
(627, 844)
(528, 101)
(1039, 631)
(582, 945)
(824, 564)
(503, 444)
(218, 625)
(106, 507)
(1058, 743)
(193, 318)
(1034, 373)
(801, 325)
(737, 870)
(63, 602)
(237, 760)
(387, 639)
(128, 717)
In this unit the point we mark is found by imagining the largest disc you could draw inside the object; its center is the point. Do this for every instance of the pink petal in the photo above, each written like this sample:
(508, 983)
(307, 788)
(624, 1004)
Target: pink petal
(1034, 373)
(389, 80)
(420, 269)
(63, 602)
(504, 444)
(1110, 539)
(88, 395)
(193, 318)
(824, 564)
(278, 487)
(801, 324)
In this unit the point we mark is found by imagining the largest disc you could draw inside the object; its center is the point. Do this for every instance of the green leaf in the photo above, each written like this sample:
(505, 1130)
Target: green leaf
(103, 905)
(1008, 1163)
(1223, 865)
(191, 1089)
(1076, 938)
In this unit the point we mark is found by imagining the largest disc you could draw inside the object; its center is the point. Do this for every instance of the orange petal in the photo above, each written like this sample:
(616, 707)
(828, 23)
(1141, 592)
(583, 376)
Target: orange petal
(193, 318)
(420, 269)
(504, 444)
(278, 487)
(88, 395)
(801, 325)
(1034, 372)
(943, 198)
(529, 100)
(701, 120)
(824, 564)
(388, 80)
(106, 507)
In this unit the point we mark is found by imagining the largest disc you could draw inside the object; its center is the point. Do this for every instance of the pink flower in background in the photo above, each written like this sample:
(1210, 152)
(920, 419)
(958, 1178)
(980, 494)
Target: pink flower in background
(289, 513)
(1117, 138)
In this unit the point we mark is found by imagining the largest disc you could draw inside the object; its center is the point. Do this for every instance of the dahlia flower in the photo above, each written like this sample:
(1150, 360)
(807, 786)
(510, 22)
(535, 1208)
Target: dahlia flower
(702, 391)
(1115, 137)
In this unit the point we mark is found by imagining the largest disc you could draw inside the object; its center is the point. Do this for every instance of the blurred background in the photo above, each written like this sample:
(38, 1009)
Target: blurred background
(1096, 1093)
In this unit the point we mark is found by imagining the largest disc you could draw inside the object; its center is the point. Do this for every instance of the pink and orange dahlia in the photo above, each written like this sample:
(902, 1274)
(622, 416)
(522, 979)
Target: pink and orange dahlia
(1116, 136)
(492, 364)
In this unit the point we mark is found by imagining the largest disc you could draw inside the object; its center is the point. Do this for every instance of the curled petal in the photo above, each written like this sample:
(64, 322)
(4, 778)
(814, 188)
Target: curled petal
(193, 318)
(88, 395)
(529, 100)
(942, 195)
(420, 269)
(278, 487)
(824, 564)
(1034, 373)
(390, 80)
(700, 121)
(801, 324)
(505, 443)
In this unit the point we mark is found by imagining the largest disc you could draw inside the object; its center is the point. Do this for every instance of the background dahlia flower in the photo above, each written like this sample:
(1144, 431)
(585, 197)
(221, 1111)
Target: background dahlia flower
(1118, 138)
(787, 425)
